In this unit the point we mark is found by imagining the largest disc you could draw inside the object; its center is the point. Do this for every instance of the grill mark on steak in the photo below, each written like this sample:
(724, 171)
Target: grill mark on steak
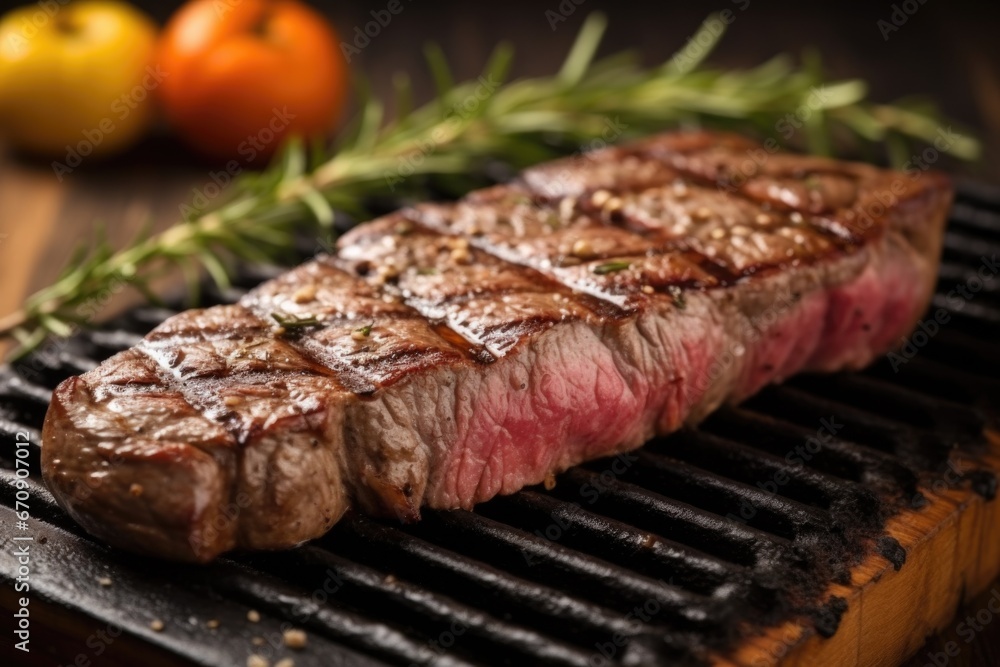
(144, 429)
(399, 339)
(487, 302)
(439, 268)
(209, 363)
(840, 204)
(284, 404)
(470, 349)
(621, 168)
(846, 200)
(689, 197)
(569, 253)
(276, 405)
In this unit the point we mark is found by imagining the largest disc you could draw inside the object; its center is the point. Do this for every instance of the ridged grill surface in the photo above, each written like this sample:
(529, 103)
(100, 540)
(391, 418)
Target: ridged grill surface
(659, 556)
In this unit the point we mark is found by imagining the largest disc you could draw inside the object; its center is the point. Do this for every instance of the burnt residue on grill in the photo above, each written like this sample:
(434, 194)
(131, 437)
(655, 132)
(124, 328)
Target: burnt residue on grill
(666, 555)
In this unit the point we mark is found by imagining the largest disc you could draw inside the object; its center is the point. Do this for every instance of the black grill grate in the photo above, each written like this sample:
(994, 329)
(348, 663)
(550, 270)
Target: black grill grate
(658, 556)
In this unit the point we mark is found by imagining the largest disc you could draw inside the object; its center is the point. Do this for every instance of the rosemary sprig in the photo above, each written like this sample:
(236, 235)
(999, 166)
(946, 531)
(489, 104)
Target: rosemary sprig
(611, 267)
(520, 122)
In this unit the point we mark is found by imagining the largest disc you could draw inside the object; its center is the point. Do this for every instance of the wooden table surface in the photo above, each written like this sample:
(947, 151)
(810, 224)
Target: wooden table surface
(947, 50)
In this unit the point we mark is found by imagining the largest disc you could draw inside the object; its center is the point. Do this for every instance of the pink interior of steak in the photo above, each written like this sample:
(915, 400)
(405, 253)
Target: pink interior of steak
(462, 350)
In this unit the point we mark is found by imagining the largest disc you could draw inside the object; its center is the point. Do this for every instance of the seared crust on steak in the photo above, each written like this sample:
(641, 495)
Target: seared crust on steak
(469, 349)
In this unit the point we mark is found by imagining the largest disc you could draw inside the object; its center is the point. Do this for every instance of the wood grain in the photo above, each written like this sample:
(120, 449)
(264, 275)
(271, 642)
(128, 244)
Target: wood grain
(952, 556)
(30, 202)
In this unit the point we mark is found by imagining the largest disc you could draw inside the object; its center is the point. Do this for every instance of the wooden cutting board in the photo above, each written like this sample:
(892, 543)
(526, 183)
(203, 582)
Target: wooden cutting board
(952, 561)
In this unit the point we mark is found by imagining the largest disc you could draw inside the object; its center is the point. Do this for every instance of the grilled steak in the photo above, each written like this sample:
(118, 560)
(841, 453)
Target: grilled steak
(451, 352)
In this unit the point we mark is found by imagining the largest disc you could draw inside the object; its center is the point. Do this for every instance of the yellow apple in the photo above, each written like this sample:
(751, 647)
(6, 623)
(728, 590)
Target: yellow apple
(76, 79)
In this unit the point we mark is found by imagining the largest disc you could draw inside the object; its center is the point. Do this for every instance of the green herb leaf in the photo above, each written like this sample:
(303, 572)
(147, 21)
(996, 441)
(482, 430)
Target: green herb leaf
(581, 55)
(677, 294)
(611, 267)
(295, 321)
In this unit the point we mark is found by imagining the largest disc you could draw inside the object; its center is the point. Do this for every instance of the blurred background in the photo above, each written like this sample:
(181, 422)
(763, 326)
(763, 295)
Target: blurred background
(949, 51)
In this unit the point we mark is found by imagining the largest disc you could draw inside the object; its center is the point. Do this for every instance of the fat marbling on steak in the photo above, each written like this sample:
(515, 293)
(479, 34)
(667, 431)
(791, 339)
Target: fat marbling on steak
(469, 349)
